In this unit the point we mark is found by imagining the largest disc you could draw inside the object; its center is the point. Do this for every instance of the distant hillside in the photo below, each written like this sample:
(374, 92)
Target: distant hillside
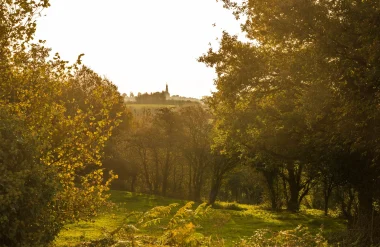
(162, 98)
(140, 108)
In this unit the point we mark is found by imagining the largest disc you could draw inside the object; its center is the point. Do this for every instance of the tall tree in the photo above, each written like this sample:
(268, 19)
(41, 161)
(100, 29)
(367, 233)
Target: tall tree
(321, 58)
(167, 128)
(196, 133)
(49, 139)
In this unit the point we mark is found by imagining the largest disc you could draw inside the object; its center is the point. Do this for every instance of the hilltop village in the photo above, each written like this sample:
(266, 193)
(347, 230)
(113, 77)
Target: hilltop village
(163, 97)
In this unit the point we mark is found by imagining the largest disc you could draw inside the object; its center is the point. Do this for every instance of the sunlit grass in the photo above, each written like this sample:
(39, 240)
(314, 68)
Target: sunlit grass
(248, 218)
(111, 218)
(229, 222)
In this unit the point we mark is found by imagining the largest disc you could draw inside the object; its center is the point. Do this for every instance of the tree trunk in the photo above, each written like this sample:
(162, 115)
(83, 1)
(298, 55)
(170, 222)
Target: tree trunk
(221, 166)
(190, 187)
(295, 187)
(327, 189)
(157, 173)
(197, 194)
(293, 203)
(364, 222)
(174, 179)
(146, 172)
(197, 182)
(164, 185)
(326, 206)
(216, 182)
(133, 181)
(215, 187)
(270, 177)
(165, 175)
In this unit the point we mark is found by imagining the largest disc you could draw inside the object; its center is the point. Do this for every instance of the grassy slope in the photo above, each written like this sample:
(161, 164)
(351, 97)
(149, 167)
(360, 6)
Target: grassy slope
(148, 106)
(137, 108)
(227, 224)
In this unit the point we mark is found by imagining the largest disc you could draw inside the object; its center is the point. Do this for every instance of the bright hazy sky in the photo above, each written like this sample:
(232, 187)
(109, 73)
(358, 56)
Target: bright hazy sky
(140, 45)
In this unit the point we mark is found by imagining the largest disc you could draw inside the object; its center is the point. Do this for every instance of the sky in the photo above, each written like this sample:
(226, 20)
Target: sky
(140, 45)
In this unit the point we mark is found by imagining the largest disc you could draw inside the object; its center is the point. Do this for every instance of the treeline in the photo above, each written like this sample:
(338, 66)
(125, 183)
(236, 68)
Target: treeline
(151, 98)
(159, 98)
(164, 152)
(170, 152)
(184, 153)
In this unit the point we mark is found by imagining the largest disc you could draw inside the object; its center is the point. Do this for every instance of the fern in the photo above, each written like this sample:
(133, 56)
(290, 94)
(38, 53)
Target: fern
(181, 213)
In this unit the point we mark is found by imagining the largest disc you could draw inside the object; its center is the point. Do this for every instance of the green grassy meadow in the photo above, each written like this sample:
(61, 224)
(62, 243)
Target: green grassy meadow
(223, 224)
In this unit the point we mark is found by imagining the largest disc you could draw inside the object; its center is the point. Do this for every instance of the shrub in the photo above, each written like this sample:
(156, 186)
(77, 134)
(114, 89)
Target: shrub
(27, 189)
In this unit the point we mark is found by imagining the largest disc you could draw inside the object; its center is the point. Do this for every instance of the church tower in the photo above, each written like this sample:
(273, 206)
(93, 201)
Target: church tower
(167, 94)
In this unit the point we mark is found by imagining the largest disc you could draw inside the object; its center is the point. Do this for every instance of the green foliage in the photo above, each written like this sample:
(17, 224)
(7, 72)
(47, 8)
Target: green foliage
(299, 99)
(298, 237)
(166, 151)
(181, 230)
(27, 188)
(55, 120)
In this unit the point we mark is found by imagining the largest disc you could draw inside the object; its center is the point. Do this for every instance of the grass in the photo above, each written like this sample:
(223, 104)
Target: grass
(229, 206)
(229, 221)
(110, 218)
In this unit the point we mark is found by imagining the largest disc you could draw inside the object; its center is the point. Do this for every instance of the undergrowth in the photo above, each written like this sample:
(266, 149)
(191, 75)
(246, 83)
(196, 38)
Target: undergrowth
(181, 230)
(141, 220)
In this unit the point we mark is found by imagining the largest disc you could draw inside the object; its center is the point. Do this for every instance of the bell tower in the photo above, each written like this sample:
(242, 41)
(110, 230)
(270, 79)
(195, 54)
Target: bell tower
(167, 94)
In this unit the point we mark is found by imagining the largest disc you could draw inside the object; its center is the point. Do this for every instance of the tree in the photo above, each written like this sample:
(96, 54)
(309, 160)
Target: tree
(224, 159)
(167, 130)
(265, 121)
(196, 130)
(321, 58)
(140, 143)
(52, 138)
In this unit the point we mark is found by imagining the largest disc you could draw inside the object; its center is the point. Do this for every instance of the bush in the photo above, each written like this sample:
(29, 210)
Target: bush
(27, 189)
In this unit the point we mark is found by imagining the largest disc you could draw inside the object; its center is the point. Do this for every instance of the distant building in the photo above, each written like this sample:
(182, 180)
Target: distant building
(181, 98)
(166, 94)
